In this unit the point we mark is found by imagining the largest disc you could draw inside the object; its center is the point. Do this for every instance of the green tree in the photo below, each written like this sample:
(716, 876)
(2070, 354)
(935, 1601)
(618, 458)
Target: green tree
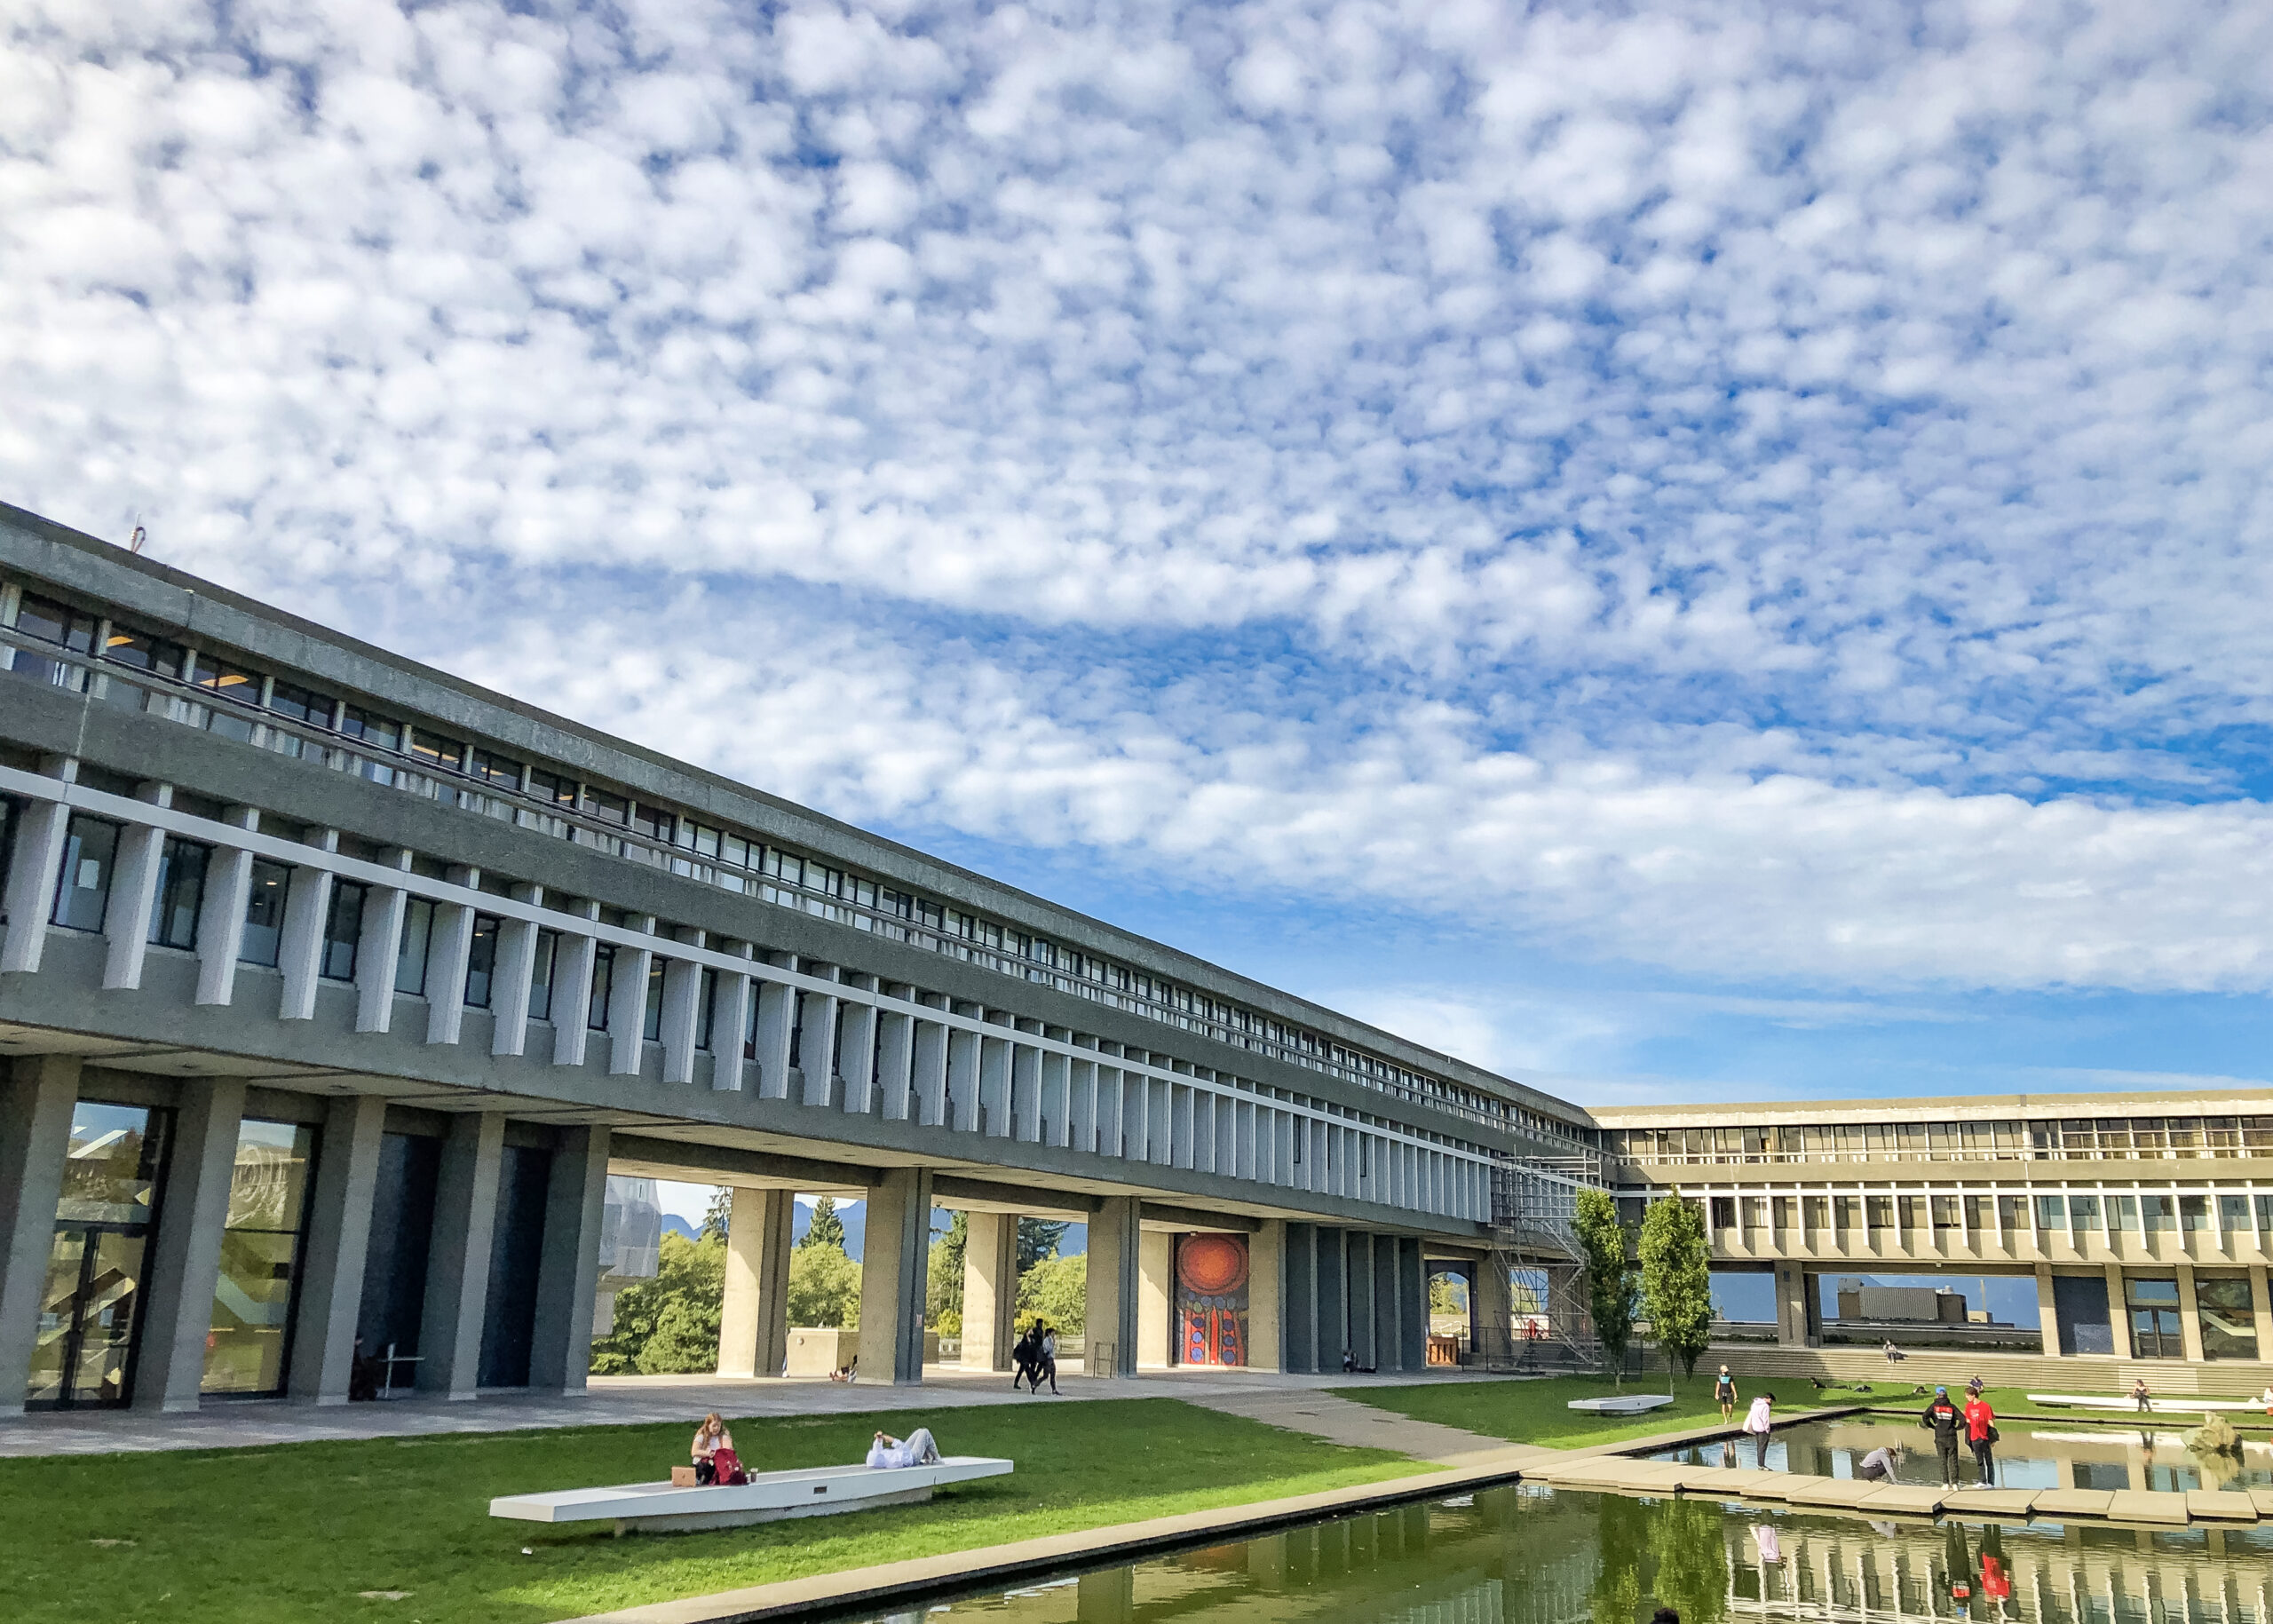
(1677, 1282)
(1447, 1295)
(1621, 1536)
(1058, 1289)
(943, 1283)
(669, 1324)
(1690, 1540)
(827, 1229)
(1609, 1273)
(718, 1217)
(1037, 1239)
(824, 1288)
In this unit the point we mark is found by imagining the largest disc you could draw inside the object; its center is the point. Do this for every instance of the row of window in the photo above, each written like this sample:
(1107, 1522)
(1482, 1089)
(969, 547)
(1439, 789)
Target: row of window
(2077, 1213)
(1042, 958)
(2076, 1138)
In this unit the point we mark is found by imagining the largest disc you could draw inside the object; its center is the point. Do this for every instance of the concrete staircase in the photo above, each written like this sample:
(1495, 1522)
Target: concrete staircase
(2036, 1372)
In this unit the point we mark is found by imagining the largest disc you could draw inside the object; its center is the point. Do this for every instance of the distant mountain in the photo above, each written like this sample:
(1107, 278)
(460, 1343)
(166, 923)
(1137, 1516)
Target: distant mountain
(673, 1224)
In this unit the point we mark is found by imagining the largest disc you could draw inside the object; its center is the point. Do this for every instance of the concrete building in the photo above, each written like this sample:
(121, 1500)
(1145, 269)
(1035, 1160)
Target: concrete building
(333, 989)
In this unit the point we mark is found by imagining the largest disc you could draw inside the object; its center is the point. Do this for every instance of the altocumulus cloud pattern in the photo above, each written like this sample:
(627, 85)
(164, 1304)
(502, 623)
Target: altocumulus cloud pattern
(1760, 490)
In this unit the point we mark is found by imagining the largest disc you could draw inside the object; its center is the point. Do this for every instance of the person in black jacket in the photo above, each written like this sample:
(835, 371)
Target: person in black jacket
(1945, 1421)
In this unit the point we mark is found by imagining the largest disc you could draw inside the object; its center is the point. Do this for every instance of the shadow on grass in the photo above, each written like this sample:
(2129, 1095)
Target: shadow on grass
(327, 1531)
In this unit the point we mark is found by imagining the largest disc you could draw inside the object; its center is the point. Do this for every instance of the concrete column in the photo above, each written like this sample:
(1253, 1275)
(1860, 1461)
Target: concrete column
(1082, 1105)
(339, 1237)
(1298, 1298)
(894, 1266)
(568, 1261)
(509, 987)
(448, 954)
(1026, 1093)
(378, 948)
(1266, 1293)
(682, 1019)
(896, 1065)
(38, 862)
(776, 1006)
(962, 1079)
(2118, 1317)
(1492, 1310)
(2047, 1312)
(995, 1087)
(817, 1049)
(1389, 1286)
(299, 951)
(1111, 1299)
(1332, 1299)
(37, 1095)
(1791, 1306)
(990, 1290)
(754, 1318)
(185, 1257)
(133, 893)
(1359, 1247)
(627, 1009)
(730, 1031)
(1155, 1297)
(221, 917)
(457, 1262)
(2190, 1315)
(1058, 1102)
(573, 962)
(929, 1071)
(856, 1057)
(1412, 1278)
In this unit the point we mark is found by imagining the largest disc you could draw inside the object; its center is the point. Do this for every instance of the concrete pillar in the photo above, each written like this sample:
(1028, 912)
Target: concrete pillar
(1026, 1093)
(895, 1266)
(568, 1263)
(221, 917)
(754, 1319)
(299, 951)
(1155, 1295)
(1359, 1275)
(508, 986)
(40, 836)
(133, 893)
(1492, 1311)
(1412, 1278)
(1332, 1333)
(929, 1071)
(816, 1048)
(2190, 1315)
(1298, 1298)
(730, 1030)
(856, 1057)
(682, 1016)
(1111, 1299)
(776, 1008)
(1791, 1306)
(2118, 1317)
(995, 1087)
(448, 954)
(896, 1066)
(185, 1258)
(1266, 1297)
(2261, 1303)
(1390, 1284)
(963, 1046)
(378, 947)
(990, 1290)
(457, 1261)
(37, 1095)
(2047, 1312)
(573, 961)
(339, 1237)
(627, 1008)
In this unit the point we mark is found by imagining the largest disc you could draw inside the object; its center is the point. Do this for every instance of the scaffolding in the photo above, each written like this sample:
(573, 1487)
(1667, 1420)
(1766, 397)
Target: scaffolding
(1535, 1202)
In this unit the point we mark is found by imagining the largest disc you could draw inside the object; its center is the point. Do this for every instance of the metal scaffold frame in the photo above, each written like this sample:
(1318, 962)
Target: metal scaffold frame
(1534, 1200)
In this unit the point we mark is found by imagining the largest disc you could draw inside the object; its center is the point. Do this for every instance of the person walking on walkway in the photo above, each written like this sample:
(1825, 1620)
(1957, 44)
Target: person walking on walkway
(1944, 1420)
(1981, 1433)
(2142, 1397)
(1025, 1357)
(1724, 1392)
(1760, 1423)
(1045, 1356)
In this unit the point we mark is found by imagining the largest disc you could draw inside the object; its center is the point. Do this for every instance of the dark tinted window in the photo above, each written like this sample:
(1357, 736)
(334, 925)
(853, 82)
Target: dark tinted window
(53, 622)
(143, 652)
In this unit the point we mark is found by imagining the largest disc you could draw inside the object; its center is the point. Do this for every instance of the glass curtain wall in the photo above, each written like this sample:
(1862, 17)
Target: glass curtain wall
(90, 1305)
(260, 1253)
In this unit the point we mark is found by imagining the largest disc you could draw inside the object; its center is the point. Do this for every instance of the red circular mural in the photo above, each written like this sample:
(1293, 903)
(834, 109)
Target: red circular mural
(1212, 1265)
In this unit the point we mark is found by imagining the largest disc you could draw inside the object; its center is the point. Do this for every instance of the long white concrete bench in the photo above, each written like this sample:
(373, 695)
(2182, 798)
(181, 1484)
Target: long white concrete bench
(1622, 1403)
(2163, 1404)
(658, 1508)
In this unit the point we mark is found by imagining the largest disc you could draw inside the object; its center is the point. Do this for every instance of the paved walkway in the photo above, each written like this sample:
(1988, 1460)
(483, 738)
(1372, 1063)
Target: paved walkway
(1344, 1421)
(612, 1401)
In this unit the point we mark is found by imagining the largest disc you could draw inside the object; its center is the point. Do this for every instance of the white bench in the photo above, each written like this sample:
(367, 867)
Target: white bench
(2161, 1404)
(1622, 1403)
(658, 1508)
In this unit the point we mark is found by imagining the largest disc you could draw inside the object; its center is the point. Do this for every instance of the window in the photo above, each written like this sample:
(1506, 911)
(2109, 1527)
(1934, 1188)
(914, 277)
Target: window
(343, 931)
(1911, 1210)
(302, 704)
(181, 893)
(229, 681)
(2123, 1212)
(652, 1025)
(701, 837)
(144, 653)
(602, 985)
(2051, 1212)
(706, 1004)
(1978, 1212)
(548, 949)
(2233, 1212)
(263, 935)
(1880, 1209)
(2194, 1212)
(2011, 1213)
(553, 788)
(260, 1246)
(2158, 1211)
(53, 622)
(2083, 1212)
(1724, 1212)
(1944, 1211)
(83, 888)
(608, 808)
(2228, 1321)
(653, 822)
(481, 960)
(418, 940)
(492, 768)
(437, 750)
(380, 733)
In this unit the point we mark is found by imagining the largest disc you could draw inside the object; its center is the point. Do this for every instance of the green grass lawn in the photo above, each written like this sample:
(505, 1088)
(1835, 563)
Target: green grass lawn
(1538, 1412)
(258, 1536)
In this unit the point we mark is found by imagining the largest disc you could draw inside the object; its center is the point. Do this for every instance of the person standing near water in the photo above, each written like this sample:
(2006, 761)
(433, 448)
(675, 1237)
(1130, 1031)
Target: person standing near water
(1944, 1420)
(1759, 1423)
(1981, 1432)
(1724, 1392)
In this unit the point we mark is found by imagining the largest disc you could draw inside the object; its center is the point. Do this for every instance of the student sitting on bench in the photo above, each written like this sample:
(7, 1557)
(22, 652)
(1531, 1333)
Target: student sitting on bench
(917, 1449)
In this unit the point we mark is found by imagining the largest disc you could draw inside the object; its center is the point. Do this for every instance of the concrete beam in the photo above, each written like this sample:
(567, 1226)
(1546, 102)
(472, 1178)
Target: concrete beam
(728, 1165)
(980, 1195)
(1195, 1218)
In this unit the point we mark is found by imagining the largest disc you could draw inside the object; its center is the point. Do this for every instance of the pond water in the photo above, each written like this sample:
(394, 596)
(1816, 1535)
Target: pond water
(2030, 1454)
(1520, 1555)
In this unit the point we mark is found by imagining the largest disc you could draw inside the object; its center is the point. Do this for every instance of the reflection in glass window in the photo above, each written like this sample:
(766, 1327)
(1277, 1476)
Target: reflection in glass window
(437, 750)
(343, 931)
(410, 957)
(481, 961)
(143, 652)
(2229, 1320)
(263, 935)
(230, 681)
(380, 733)
(548, 949)
(602, 985)
(653, 822)
(53, 622)
(83, 1351)
(180, 894)
(491, 767)
(608, 808)
(302, 704)
(82, 888)
(253, 1297)
(652, 1029)
(553, 788)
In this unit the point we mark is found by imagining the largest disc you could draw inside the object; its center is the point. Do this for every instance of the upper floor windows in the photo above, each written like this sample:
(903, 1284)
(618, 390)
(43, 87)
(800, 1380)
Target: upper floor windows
(143, 652)
(436, 751)
(302, 704)
(493, 768)
(53, 622)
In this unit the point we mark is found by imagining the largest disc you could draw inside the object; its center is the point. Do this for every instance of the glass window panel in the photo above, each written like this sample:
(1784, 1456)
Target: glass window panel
(83, 887)
(651, 1026)
(548, 949)
(2051, 1212)
(2194, 1212)
(493, 768)
(110, 1170)
(380, 733)
(481, 960)
(53, 622)
(2158, 1211)
(143, 652)
(552, 786)
(2123, 1212)
(343, 931)
(272, 882)
(2233, 1212)
(436, 749)
(608, 808)
(602, 985)
(180, 895)
(1944, 1211)
(2083, 1212)
(252, 1296)
(2228, 1321)
(217, 675)
(301, 704)
(418, 940)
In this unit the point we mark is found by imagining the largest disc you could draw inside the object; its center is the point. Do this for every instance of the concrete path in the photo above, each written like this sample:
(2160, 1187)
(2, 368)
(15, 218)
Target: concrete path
(615, 1401)
(1342, 1421)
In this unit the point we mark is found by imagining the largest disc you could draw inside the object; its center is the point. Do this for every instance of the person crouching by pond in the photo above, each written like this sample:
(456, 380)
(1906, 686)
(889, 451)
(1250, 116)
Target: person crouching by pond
(916, 1449)
(714, 1459)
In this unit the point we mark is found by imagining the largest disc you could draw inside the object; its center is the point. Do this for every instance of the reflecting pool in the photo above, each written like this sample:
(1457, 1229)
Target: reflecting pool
(1519, 1554)
(2030, 1454)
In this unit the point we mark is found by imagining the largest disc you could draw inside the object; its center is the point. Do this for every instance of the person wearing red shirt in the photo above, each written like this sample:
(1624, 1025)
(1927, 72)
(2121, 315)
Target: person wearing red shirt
(1981, 1432)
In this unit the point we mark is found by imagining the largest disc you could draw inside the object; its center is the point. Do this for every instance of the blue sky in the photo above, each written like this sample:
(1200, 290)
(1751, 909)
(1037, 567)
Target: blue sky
(1677, 551)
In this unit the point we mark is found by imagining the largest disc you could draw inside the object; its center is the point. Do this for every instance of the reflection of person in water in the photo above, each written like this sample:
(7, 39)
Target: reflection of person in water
(1959, 1562)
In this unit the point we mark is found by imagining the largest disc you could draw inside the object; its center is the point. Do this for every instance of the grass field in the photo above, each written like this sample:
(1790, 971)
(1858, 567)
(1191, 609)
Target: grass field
(1539, 1412)
(302, 1533)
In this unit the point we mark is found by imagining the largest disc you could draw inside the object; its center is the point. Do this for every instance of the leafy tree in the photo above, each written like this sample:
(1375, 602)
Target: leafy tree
(1056, 1289)
(1037, 1239)
(1677, 1281)
(719, 1218)
(1447, 1295)
(1621, 1537)
(824, 1287)
(943, 1284)
(671, 1323)
(826, 1230)
(1609, 1275)
(1689, 1538)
